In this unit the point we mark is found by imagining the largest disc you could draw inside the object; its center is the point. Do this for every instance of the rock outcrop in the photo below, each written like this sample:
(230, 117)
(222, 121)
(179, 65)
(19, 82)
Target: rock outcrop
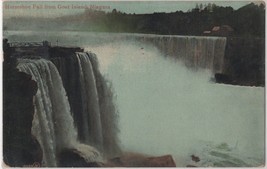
(72, 158)
(244, 61)
(140, 160)
(20, 148)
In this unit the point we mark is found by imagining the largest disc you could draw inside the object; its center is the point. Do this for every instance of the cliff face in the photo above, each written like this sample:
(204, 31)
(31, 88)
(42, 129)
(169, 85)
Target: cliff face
(20, 148)
(245, 61)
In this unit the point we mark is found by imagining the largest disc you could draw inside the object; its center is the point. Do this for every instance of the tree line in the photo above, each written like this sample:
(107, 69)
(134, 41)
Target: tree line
(248, 20)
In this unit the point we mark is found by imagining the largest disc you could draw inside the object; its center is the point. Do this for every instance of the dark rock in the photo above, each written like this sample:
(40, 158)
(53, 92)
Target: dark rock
(191, 166)
(222, 78)
(20, 148)
(139, 160)
(58, 51)
(117, 161)
(195, 158)
(70, 158)
(163, 161)
(244, 60)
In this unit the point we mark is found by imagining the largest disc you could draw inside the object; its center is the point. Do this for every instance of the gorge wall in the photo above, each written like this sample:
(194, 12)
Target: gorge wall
(245, 61)
(20, 147)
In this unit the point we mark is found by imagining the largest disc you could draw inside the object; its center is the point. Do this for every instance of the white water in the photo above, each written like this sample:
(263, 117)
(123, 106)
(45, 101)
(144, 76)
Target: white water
(166, 108)
(53, 124)
(194, 51)
(90, 97)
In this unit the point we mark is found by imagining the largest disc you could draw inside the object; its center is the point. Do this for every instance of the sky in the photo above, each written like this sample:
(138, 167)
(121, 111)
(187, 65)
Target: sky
(59, 8)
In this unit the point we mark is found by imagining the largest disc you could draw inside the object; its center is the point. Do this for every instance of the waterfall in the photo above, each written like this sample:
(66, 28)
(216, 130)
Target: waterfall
(91, 101)
(107, 110)
(53, 124)
(194, 51)
(90, 98)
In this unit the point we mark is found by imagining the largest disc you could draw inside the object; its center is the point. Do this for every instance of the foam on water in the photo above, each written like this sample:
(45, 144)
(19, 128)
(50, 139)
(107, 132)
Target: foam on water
(166, 108)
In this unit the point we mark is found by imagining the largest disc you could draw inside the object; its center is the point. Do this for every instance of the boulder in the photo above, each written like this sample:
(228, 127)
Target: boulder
(72, 158)
(140, 160)
(163, 161)
(223, 78)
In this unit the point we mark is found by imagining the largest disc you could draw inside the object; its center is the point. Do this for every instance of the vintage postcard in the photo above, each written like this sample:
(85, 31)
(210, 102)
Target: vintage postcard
(133, 83)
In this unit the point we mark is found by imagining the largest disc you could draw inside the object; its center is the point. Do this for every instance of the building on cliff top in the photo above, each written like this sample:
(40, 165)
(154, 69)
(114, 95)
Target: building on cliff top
(223, 30)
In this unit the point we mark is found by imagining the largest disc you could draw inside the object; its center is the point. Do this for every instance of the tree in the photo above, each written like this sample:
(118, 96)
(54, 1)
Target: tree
(197, 6)
(209, 7)
(201, 7)
(114, 11)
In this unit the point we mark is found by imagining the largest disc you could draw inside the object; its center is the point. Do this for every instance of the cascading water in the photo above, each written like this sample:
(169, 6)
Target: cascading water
(91, 112)
(108, 111)
(194, 51)
(91, 101)
(53, 124)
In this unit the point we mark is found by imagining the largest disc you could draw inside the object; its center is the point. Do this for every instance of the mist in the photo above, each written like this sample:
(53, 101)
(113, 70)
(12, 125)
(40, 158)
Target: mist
(166, 108)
